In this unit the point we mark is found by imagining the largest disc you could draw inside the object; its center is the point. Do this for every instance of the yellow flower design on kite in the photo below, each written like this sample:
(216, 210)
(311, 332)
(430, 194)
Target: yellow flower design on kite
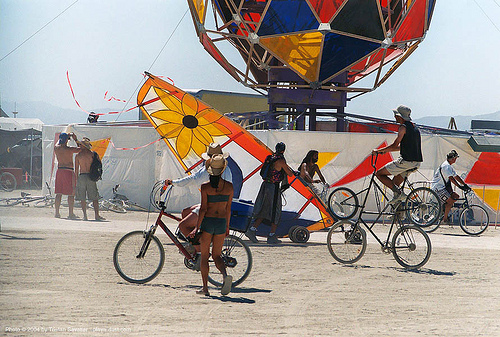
(193, 126)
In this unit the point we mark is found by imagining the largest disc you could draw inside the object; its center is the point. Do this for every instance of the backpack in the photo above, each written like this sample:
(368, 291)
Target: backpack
(95, 173)
(266, 167)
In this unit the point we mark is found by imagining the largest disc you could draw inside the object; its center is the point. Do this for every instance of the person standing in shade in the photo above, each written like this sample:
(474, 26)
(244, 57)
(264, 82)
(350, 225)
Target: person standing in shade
(65, 176)
(85, 187)
(213, 221)
(408, 143)
(268, 202)
(441, 183)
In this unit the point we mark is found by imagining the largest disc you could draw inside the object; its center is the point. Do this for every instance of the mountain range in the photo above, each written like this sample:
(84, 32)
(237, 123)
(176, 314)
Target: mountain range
(53, 115)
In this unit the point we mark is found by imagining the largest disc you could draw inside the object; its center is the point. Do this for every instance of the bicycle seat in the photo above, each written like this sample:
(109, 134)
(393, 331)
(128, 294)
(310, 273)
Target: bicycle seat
(24, 194)
(412, 170)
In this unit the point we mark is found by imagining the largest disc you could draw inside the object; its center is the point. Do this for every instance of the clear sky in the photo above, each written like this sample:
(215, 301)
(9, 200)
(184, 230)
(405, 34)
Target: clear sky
(107, 45)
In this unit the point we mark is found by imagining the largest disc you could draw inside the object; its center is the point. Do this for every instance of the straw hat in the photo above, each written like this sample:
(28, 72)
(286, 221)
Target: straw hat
(86, 142)
(216, 165)
(213, 149)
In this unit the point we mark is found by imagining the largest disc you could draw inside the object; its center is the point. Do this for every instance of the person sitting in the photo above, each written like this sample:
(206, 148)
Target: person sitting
(441, 183)
(213, 221)
(408, 143)
(308, 168)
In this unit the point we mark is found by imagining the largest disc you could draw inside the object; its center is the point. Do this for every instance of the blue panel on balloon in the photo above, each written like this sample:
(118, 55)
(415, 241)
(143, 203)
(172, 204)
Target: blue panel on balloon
(340, 51)
(431, 6)
(287, 16)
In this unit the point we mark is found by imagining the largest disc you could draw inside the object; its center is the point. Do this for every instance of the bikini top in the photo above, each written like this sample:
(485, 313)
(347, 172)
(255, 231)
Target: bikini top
(217, 198)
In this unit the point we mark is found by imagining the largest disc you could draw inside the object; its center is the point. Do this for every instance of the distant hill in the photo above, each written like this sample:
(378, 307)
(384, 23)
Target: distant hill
(53, 115)
(463, 122)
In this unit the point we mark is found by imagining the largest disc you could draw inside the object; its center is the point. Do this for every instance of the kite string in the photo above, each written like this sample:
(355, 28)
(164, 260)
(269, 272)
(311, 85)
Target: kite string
(48, 23)
(151, 66)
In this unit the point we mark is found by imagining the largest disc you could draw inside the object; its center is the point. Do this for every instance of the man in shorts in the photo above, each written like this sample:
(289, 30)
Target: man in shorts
(409, 145)
(441, 183)
(65, 177)
(85, 187)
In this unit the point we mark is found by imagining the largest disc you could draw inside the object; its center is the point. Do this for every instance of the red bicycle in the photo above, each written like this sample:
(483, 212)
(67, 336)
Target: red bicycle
(139, 255)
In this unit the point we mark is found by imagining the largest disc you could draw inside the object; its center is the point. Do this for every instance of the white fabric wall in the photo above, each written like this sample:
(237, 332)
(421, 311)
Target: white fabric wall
(137, 170)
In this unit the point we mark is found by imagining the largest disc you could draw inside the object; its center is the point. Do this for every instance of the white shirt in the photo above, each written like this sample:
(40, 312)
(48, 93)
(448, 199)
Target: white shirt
(448, 171)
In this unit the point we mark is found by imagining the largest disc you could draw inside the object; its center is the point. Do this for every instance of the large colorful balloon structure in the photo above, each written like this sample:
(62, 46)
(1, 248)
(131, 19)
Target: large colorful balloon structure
(317, 48)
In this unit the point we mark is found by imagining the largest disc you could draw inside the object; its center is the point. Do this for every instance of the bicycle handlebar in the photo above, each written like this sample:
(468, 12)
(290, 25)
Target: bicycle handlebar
(374, 162)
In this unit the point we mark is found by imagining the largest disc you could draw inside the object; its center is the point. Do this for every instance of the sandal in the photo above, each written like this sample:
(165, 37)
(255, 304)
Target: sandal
(226, 286)
(203, 292)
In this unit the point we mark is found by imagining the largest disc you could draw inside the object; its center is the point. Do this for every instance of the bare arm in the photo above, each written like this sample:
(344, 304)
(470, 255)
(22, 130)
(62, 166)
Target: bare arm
(318, 171)
(77, 166)
(228, 209)
(203, 210)
(281, 164)
(395, 146)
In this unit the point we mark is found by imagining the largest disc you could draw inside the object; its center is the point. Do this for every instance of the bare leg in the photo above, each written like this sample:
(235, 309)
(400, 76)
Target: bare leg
(83, 203)
(205, 240)
(58, 205)
(273, 228)
(71, 203)
(382, 175)
(447, 208)
(217, 244)
(95, 203)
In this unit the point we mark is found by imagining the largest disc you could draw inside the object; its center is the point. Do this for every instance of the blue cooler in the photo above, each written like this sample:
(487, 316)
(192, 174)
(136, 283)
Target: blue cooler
(241, 215)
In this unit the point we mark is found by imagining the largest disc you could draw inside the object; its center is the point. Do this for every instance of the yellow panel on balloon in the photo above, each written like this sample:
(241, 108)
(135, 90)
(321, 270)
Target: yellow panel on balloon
(200, 9)
(300, 51)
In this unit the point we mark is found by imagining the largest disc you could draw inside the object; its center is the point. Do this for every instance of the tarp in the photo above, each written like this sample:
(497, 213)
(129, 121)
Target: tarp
(344, 160)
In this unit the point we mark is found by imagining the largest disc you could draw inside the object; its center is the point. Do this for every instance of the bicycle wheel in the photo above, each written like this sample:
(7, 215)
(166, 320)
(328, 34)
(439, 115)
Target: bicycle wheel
(238, 260)
(474, 220)
(343, 203)
(112, 206)
(48, 202)
(8, 182)
(423, 207)
(345, 244)
(411, 247)
(10, 202)
(135, 268)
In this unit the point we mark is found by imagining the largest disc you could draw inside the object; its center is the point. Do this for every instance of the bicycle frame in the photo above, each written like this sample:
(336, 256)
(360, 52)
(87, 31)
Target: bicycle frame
(383, 211)
(167, 231)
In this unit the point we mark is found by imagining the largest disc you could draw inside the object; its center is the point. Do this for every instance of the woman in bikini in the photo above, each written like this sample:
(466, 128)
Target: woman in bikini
(213, 220)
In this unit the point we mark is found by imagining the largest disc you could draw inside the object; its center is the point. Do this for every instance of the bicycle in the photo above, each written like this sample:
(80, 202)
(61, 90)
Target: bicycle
(8, 182)
(410, 245)
(119, 203)
(473, 219)
(139, 256)
(26, 198)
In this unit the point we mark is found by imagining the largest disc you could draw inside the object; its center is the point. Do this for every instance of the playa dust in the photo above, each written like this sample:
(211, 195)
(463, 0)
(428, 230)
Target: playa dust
(57, 277)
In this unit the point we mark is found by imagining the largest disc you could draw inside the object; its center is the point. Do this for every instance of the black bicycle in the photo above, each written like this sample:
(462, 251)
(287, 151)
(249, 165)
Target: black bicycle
(473, 219)
(410, 245)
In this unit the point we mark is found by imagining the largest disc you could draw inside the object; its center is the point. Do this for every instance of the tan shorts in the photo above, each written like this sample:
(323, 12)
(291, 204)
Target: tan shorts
(86, 189)
(402, 167)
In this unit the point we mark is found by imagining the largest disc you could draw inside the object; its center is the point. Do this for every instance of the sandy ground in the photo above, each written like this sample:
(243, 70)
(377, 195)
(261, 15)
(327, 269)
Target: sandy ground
(57, 277)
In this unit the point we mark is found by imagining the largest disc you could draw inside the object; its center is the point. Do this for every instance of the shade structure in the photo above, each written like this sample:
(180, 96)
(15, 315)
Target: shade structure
(318, 40)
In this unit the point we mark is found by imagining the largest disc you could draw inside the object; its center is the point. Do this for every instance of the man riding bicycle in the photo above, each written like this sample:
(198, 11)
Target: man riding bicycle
(409, 144)
(441, 183)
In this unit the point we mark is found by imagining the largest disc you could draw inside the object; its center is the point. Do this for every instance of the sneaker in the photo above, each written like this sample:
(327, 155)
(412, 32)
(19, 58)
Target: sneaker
(226, 286)
(398, 197)
(189, 247)
(273, 240)
(250, 234)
